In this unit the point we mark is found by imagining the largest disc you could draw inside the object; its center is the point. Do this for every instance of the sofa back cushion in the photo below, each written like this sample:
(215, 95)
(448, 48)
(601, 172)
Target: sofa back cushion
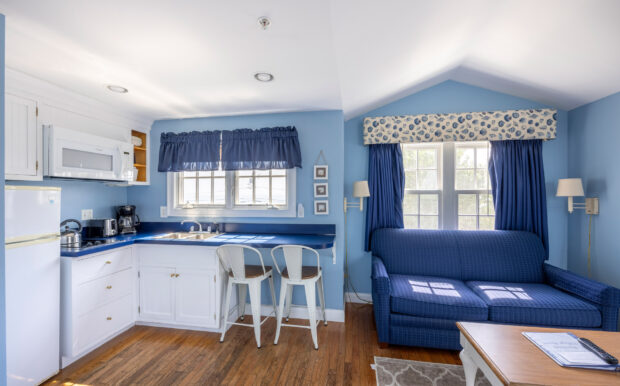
(415, 252)
(509, 256)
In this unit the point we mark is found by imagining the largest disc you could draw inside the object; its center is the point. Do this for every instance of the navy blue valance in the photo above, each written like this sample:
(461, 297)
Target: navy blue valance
(267, 148)
(194, 151)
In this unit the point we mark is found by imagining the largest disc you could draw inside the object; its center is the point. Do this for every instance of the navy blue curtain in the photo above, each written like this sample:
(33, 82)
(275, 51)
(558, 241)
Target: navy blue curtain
(267, 148)
(518, 184)
(195, 151)
(386, 182)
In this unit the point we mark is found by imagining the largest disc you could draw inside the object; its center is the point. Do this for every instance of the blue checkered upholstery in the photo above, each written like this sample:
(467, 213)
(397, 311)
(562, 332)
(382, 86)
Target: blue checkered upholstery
(409, 312)
(534, 303)
(435, 297)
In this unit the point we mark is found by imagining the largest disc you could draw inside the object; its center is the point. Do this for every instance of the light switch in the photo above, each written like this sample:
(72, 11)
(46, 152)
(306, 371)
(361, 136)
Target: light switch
(87, 214)
(163, 211)
(300, 210)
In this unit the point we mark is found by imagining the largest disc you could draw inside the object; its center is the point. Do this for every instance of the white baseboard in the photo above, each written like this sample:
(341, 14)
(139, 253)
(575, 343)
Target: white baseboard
(350, 297)
(301, 312)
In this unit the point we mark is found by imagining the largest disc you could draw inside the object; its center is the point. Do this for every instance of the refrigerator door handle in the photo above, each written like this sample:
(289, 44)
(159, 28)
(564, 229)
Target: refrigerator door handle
(17, 242)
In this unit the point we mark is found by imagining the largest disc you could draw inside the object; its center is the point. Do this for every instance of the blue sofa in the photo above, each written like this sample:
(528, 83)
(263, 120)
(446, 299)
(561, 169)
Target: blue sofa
(424, 281)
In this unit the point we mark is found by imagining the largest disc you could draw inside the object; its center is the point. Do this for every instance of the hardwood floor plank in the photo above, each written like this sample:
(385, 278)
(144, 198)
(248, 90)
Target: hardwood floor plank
(161, 356)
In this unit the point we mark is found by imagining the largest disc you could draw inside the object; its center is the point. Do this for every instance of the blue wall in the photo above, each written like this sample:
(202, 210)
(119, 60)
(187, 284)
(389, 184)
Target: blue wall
(594, 157)
(321, 130)
(451, 97)
(78, 195)
(2, 292)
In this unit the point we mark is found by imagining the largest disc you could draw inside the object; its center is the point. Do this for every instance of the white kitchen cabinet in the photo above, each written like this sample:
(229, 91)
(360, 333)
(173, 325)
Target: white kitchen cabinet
(195, 297)
(180, 286)
(157, 293)
(23, 139)
(97, 300)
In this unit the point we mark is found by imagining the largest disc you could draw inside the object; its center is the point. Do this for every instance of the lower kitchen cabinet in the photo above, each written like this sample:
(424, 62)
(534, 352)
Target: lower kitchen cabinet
(97, 300)
(180, 286)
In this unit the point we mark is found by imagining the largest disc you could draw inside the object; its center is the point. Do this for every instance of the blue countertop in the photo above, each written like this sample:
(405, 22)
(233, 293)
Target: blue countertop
(316, 241)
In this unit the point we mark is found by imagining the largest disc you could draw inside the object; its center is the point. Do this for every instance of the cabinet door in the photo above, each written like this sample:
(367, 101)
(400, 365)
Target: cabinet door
(21, 142)
(196, 297)
(157, 294)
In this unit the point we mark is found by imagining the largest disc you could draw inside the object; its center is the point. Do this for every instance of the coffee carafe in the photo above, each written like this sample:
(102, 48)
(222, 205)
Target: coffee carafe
(127, 219)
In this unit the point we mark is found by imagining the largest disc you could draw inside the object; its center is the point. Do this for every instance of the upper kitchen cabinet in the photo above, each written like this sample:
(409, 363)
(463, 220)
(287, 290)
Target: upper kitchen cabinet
(140, 141)
(23, 139)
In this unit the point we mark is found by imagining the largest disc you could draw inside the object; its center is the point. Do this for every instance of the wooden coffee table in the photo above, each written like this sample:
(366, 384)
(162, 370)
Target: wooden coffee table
(506, 357)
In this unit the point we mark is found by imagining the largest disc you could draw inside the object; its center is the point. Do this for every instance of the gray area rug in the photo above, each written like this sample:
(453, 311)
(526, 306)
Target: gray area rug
(391, 371)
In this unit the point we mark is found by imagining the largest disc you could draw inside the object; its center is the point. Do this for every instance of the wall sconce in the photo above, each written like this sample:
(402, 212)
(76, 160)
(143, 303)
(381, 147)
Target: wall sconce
(572, 187)
(360, 190)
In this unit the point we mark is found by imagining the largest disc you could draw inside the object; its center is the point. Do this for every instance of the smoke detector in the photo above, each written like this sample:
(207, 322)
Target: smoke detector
(264, 22)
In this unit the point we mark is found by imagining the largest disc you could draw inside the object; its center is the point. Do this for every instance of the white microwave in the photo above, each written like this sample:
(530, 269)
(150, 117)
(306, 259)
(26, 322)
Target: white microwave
(73, 154)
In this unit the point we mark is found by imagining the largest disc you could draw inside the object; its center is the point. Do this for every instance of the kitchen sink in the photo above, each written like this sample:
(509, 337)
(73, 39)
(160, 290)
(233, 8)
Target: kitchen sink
(185, 236)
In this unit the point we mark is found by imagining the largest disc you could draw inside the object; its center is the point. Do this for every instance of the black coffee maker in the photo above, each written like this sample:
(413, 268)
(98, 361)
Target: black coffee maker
(127, 219)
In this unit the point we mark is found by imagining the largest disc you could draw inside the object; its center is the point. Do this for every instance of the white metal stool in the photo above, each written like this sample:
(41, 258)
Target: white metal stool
(232, 258)
(296, 274)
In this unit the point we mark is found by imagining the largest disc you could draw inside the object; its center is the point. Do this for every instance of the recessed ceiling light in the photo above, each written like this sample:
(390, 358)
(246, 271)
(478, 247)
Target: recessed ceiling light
(264, 22)
(118, 89)
(263, 77)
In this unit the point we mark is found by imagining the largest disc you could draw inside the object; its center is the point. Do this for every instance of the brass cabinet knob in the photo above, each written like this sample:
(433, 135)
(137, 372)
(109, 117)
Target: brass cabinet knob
(176, 275)
(109, 318)
(108, 262)
(109, 287)
(172, 275)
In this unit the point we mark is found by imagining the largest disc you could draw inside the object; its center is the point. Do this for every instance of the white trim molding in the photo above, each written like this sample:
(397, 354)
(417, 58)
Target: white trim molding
(364, 297)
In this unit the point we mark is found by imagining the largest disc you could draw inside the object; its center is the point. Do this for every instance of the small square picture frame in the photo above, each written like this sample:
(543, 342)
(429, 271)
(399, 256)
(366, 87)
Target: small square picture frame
(321, 172)
(321, 208)
(321, 190)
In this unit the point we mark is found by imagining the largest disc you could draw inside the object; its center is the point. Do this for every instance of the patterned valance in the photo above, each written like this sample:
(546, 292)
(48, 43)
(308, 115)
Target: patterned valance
(480, 126)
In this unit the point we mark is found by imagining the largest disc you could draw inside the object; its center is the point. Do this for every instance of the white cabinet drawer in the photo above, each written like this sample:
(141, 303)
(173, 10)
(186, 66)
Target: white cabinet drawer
(95, 293)
(102, 322)
(102, 265)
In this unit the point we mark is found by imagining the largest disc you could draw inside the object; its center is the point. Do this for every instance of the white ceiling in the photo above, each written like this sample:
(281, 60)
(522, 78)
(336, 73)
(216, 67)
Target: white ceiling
(197, 57)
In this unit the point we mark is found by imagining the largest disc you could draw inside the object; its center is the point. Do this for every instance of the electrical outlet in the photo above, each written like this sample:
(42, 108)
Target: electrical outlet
(300, 210)
(87, 214)
(163, 211)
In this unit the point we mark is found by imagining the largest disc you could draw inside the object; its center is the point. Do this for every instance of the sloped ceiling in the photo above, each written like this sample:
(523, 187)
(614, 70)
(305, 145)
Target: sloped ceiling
(198, 57)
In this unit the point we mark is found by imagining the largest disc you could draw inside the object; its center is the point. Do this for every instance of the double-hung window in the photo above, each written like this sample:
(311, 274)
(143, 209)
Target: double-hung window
(240, 193)
(447, 186)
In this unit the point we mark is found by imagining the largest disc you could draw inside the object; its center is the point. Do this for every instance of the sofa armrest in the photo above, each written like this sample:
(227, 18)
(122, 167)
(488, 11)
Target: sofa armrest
(380, 278)
(591, 290)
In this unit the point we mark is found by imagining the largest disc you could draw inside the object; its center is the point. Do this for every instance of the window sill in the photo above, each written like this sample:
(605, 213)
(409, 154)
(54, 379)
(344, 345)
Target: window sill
(224, 212)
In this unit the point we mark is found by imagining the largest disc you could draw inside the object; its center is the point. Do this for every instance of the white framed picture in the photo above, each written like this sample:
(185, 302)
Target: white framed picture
(321, 207)
(321, 172)
(321, 190)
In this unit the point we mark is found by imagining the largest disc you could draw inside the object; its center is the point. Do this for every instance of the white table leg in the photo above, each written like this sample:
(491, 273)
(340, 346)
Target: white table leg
(470, 368)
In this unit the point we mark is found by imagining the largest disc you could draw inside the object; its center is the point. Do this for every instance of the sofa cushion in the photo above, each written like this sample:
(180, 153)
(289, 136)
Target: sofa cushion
(534, 303)
(435, 297)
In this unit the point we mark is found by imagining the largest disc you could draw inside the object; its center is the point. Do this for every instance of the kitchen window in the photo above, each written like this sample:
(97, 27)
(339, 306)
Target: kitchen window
(241, 193)
(447, 186)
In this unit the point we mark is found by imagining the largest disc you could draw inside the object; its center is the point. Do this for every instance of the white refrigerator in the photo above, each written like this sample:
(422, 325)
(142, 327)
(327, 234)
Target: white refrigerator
(32, 268)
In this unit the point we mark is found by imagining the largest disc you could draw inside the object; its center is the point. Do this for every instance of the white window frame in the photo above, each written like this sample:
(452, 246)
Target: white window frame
(439, 190)
(230, 209)
(448, 195)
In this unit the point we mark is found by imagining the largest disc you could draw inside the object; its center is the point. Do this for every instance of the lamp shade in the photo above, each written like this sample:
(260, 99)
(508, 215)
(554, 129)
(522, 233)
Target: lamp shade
(360, 189)
(570, 187)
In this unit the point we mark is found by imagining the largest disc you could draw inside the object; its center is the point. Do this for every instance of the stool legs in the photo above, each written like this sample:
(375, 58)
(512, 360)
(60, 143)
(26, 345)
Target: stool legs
(310, 288)
(283, 294)
(242, 290)
(273, 297)
(289, 299)
(226, 308)
(255, 302)
(322, 299)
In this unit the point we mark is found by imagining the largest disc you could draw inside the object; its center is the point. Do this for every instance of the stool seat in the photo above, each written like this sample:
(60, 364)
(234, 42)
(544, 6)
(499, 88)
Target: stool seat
(307, 272)
(252, 271)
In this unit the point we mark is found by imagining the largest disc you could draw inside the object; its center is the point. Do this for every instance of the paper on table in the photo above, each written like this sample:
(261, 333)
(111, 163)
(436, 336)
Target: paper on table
(565, 348)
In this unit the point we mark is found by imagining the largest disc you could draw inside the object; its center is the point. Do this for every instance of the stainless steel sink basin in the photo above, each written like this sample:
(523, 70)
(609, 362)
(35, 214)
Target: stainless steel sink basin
(200, 236)
(185, 236)
(173, 236)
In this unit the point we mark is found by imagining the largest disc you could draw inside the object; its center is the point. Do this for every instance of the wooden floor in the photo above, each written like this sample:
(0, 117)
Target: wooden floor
(160, 356)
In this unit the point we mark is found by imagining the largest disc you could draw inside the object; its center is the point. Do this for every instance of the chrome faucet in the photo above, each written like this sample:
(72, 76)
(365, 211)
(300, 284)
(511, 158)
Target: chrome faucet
(192, 227)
